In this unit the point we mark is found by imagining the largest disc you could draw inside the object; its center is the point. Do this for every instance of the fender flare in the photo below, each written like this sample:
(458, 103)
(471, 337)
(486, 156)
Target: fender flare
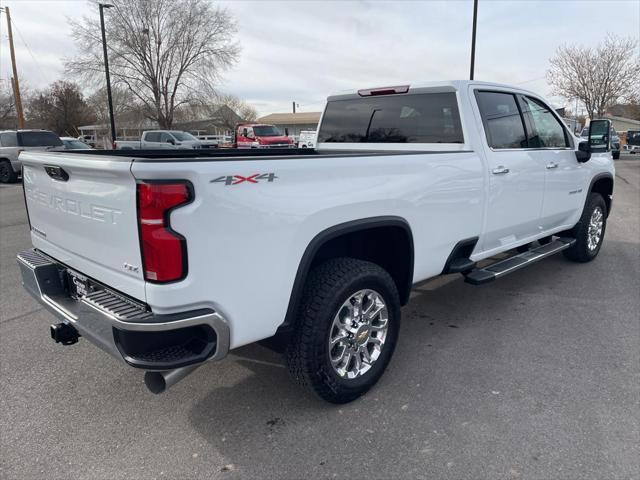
(330, 233)
(596, 178)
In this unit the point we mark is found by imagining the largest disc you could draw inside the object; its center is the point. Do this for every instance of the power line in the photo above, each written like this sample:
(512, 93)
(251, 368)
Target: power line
(29, 50)
(532, 80)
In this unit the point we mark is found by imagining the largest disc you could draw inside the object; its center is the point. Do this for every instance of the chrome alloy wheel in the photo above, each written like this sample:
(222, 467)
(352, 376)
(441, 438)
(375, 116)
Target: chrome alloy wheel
(594, 232)
(358, 333)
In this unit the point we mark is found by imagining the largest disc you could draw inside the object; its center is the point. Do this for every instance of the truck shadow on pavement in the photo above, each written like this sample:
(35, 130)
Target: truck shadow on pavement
(456, 345)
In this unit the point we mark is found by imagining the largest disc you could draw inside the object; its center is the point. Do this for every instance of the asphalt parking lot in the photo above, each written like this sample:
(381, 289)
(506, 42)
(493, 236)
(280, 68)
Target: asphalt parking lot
(535, 376)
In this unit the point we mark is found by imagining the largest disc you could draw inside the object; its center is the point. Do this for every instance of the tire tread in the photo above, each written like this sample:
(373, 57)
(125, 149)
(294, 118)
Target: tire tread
(579, 252)
(320, 289)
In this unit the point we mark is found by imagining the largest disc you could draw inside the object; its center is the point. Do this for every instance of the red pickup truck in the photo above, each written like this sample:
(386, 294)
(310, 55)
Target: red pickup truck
(259, 135)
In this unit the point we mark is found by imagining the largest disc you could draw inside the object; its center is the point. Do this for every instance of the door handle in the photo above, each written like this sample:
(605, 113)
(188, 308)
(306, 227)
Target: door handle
(500, 170)
(552, 165)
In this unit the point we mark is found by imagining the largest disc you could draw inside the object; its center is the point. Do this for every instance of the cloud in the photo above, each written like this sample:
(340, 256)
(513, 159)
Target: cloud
(305, 50)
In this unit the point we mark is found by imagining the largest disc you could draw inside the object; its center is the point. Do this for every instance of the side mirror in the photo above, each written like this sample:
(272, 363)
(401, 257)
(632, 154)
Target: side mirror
(244, 132)
(583, 154)
(599, 138)
(171, 141)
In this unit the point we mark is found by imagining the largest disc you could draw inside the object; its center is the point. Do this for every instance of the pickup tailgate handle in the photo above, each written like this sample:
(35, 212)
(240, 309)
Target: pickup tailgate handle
(57, 173)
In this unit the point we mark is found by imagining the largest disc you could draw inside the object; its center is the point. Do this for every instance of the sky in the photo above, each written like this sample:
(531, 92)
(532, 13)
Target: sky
(303, 51)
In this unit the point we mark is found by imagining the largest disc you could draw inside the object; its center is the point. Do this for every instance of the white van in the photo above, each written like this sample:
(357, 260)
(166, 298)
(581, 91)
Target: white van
(307, 139)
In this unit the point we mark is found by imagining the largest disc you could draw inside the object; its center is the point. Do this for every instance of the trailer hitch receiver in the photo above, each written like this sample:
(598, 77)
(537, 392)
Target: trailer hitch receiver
(64, 333)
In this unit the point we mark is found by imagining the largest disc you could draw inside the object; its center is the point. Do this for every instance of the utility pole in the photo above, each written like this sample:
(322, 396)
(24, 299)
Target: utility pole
(102, 6)
(14, 80)
(294, 107)
(473, 38)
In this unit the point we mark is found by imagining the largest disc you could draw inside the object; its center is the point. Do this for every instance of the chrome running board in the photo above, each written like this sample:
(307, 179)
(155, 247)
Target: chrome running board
(489, 273)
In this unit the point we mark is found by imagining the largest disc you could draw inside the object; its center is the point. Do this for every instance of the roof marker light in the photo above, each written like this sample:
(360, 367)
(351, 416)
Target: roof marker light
(369, 92)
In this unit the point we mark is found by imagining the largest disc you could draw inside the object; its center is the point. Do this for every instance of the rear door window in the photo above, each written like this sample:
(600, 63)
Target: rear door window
(502, 121)
(8, 139)
(38, 139)
(412, 118)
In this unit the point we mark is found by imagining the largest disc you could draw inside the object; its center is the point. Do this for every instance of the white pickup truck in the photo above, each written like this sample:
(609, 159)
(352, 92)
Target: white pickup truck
(164, 139)
(168, 260)
(14, 142)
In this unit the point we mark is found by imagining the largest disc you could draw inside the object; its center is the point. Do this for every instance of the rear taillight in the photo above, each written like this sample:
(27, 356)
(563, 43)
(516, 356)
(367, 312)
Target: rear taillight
(164, 252)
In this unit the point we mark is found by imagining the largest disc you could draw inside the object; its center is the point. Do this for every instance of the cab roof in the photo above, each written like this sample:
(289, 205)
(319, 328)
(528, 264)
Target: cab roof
(438, 86)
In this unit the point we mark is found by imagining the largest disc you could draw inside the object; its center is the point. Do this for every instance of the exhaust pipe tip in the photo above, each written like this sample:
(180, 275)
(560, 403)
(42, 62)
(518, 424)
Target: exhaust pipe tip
(155, 382)
(158, 382)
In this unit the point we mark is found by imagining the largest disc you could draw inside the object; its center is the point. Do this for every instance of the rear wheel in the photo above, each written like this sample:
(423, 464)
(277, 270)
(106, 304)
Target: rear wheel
(7, 175)
(347, 330)
(589, 232)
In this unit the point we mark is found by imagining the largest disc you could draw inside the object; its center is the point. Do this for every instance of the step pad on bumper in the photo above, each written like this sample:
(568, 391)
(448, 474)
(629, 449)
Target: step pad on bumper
(117, 306)
(480, 276)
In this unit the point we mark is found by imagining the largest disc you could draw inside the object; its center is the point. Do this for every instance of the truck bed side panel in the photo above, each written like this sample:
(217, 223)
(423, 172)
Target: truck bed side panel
(245, 239)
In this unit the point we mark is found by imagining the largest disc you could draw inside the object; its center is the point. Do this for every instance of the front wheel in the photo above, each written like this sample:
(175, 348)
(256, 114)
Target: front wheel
(589, 232)
(347, 330)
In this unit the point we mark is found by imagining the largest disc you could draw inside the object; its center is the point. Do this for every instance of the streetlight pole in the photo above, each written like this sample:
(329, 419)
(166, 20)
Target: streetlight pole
(473, 38)
(102, 6)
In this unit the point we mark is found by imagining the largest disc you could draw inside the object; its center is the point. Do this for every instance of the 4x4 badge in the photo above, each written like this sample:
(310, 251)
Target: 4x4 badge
(237, 179)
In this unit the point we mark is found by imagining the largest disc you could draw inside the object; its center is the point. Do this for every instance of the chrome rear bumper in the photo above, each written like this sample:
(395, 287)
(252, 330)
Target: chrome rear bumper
(121, 326)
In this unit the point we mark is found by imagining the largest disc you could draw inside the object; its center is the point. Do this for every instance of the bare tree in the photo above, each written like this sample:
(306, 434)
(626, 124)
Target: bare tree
(125, 107)
(598, 77)
(60, 108)
(226, 109)
(8, 114)
(7, 103)
(231, 108)
(161, 51)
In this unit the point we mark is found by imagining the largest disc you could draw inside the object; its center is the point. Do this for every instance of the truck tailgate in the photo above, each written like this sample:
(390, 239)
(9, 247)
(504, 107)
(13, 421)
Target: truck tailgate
(82, 212)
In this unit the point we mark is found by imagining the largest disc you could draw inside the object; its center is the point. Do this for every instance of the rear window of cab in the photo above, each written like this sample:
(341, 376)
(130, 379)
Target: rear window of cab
(407, 118)
(38, 139)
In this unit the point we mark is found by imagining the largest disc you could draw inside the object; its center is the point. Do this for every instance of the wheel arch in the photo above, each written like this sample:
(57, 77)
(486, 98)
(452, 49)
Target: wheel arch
(334, 241)
(603, 184)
